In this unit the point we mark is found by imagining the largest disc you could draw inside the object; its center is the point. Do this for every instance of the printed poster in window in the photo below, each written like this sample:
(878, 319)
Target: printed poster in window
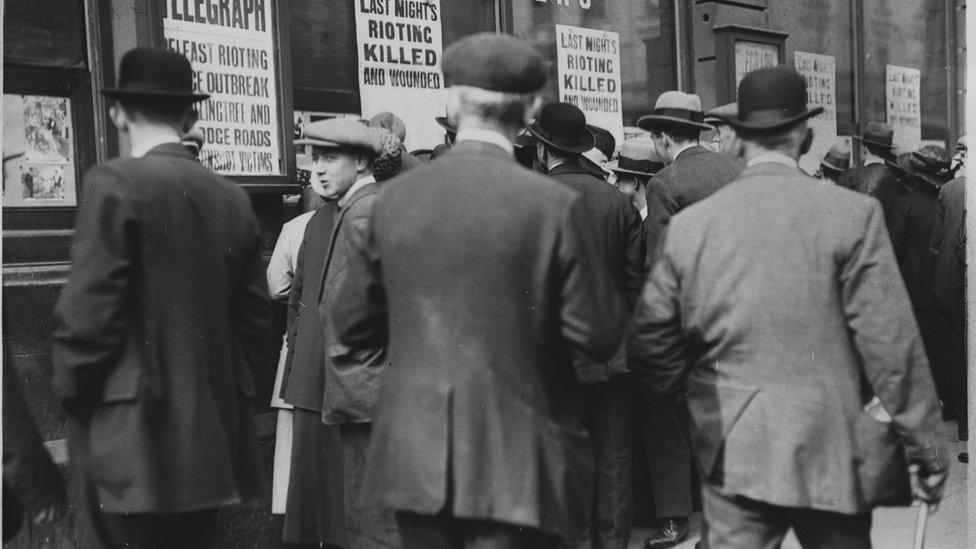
(820, 74)
(904, 108)
(751, 56)
(38, 152)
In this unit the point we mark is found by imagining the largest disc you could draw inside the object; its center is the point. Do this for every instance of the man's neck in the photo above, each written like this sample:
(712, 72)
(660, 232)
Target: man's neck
(144, 137)
(552, 162)
(678, 149)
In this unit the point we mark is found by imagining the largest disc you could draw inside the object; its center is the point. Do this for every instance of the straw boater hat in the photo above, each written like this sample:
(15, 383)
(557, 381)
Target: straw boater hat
(159, 74)
(637, 157)
(341, 133)
(838, 158)
(720, 114)
(563, 126)
(772, 99)
(877, 134)
(677, 110)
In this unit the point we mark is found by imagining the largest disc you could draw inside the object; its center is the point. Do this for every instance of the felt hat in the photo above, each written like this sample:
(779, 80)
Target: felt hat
(442, 120)
(637, 157)
(603, 140)
(391, 122)
(838, 158)
(524, 139)
(720, 114)
(389, 161)
(675, 109)
(341, 133)
(495, 62)
(563, 126)
(160, 74)
(771, 99)
(911, 166)
(878, 134)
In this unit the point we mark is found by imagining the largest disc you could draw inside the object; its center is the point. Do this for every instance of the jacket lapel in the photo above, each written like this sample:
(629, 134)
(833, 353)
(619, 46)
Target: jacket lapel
(363, 191)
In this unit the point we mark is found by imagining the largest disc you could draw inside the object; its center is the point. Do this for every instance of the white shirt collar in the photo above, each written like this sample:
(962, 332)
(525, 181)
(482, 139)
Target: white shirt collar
(141, 149)
(643, 213)
(874, 160)
(486, 136)
(772, 157)
(359, 184)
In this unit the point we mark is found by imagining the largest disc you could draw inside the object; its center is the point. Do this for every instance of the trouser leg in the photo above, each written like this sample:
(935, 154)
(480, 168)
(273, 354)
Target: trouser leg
(611, 417)
(367, 525)
(667, 444)
(824, 530)
(193, 530)
(737, 522)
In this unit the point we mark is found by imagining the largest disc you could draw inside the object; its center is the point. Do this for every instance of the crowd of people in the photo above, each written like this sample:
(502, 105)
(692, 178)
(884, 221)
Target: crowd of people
(489, 341)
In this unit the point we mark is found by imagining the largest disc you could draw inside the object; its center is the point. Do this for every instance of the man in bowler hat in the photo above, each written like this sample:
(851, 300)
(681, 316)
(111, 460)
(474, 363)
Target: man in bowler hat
(478, 278)
(160, 324)
(561, 139)
(807, 382)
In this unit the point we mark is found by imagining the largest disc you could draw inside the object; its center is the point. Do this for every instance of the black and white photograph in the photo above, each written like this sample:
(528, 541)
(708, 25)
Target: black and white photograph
(487, 274)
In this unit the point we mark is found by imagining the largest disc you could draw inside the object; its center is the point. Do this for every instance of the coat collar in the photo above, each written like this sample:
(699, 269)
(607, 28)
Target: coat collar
(772, 168)
(690, 153)
(470, 146)
(574, 165)
(170, 149)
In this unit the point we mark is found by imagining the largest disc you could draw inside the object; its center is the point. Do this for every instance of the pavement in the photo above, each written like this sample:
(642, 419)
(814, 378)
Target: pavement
(892, 528)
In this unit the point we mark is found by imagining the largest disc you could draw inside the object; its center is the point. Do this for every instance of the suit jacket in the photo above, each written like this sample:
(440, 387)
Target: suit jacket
(616, 224)
(773, 319)
(303, 380)
(876, 180)
(947, 284)
(163, 317)
(695, 174)
(477, 277)
(351, 376)
(910, 226)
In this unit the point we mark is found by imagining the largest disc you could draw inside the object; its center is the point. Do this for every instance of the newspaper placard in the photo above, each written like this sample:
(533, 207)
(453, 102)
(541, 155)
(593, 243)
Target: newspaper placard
(38, 147)
(588, 64)
(399, 49)
(903, 101)
(231, 47)
(750, 56)
(820, 73)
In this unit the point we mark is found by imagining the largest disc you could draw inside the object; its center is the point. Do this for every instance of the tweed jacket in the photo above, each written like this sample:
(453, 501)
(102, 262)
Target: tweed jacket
(616, 224)
(695, 174)
(773, 319)
(303, 380)
(351, 376)
(910, 226)
(162, 320)
(477, 277)
(950, 214)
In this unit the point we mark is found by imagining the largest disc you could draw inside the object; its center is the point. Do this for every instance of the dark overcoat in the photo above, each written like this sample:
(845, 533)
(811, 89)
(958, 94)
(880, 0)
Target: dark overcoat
(351, 376)
(303, 380)
(910, 226)
(617, 228)
(772, 318)
(480, 277)
(695, 174)
(163, 317)
(950, 215)
(875, 180)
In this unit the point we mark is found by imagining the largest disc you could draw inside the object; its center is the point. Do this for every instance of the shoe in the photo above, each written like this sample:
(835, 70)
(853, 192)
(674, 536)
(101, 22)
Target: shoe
(670, 533)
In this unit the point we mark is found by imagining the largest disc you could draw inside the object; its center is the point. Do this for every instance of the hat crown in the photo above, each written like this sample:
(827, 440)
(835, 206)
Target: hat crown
(151, 70)
(389, 121)
(774, 90)
(678, 100)
(638, 149)
(495, 62)
(342, 133)
(838, 158)
(562, 120)
(932, 158)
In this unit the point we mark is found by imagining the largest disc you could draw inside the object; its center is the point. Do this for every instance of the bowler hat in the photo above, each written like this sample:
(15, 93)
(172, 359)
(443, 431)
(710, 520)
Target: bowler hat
(637, 157)
(720, 114)
(341, 133)
(878, 134)
(150, 73)
(563, 126)
(442, 120)
(675, 109)
(391, 122)
(770, 99)
(838, 158)
(524, 139)
(495, 62)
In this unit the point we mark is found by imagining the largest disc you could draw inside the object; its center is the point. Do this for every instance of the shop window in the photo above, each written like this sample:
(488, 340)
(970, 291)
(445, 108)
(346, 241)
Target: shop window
(48, 113)
(646, 43)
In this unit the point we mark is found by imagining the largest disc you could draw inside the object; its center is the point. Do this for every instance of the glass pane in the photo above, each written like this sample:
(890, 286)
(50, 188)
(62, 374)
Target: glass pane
(646, 29)
(46, 32)
(38, 150)
(906, 33)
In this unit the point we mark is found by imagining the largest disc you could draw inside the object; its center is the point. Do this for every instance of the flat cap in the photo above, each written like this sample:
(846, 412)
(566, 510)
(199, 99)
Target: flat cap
(495, 62)
(341, 133)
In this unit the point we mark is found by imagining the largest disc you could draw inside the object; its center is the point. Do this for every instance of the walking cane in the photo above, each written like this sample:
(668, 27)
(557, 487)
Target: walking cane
(920, 521)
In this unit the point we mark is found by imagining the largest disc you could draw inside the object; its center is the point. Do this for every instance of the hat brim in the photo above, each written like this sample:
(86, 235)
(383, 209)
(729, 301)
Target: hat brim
(888, 146)
(919, 177)
(832, 167)
(613, 167)
(192, 97)
(325, 144)
(774, 124)
(586, 144)
(649, 121)
(442, 120)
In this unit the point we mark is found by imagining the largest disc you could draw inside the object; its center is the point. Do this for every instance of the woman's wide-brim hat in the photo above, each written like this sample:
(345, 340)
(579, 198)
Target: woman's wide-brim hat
(637, 157)
(908, 166)
(563, 126)
(155, 74)
(771, 99)
(675, 109)
(878, 134)
(838, 159)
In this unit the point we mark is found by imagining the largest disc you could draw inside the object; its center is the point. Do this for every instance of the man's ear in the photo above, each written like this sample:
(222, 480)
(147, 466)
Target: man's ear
(119, 117)
(189, 120)
(362, 163)
(807, 142)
